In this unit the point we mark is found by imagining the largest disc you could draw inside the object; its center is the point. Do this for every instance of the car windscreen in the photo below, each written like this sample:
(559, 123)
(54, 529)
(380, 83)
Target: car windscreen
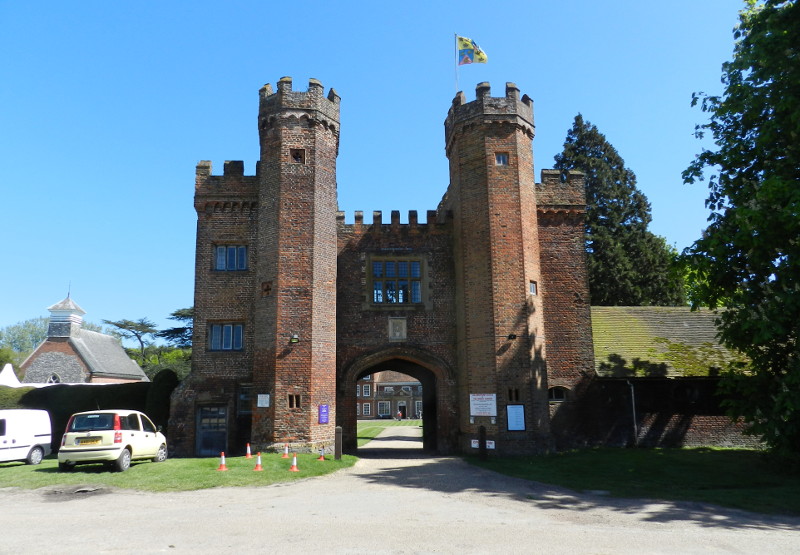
(92, 422)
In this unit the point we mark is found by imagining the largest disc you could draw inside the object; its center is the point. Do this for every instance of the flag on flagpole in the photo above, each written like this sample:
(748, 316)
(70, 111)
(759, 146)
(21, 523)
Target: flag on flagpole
(469, 52)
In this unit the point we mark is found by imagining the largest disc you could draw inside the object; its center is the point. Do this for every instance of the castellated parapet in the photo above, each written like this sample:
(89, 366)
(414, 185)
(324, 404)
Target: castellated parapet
(435, 221)
(561, 191)
(231, 191)
(311, 105)
(486, 109)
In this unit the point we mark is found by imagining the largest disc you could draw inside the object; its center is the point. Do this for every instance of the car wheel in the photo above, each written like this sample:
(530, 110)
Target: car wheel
(35, 455)
(123, 463)
(161, 456)
(65, 467)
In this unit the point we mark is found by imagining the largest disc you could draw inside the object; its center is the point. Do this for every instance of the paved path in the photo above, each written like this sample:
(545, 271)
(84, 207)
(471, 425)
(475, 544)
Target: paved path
(405, 504)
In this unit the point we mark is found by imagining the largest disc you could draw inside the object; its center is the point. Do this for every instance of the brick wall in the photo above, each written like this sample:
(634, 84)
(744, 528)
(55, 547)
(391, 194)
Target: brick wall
(363, 341)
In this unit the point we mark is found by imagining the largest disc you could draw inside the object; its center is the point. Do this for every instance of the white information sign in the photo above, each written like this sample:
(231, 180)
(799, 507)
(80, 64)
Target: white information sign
(489, 444)
(482, 404)
(476, 444)
(516, 418)
(262, 401)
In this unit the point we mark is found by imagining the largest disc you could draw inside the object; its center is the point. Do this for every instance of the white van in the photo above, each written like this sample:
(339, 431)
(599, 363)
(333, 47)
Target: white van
(24, 435)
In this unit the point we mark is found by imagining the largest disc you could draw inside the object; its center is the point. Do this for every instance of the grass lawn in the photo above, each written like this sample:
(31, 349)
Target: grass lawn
(736, 478)
(174, 474)
(369, 429)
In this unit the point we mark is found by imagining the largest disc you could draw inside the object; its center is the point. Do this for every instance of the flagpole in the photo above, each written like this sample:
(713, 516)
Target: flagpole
(455, 58)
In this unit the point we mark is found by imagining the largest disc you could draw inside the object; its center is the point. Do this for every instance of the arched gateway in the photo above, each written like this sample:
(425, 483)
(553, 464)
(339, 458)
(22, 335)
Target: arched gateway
(485, 303)
(440, 421)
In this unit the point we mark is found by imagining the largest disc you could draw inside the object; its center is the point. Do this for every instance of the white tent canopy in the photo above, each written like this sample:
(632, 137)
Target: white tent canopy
(8, 377)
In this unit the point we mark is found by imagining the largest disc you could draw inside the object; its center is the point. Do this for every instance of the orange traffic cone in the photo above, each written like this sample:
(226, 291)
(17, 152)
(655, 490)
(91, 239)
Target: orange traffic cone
(285, 451)
(294, 465)
(248, 455)
(321, 455)
(258, 467)
(222, 462)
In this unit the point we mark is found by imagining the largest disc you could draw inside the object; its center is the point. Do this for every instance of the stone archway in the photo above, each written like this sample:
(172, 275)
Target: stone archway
(439, 410)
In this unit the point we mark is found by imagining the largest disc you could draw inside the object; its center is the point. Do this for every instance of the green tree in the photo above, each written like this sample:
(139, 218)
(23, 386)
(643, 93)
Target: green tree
(23, 337)
(748, 259)
(628, 265)
(180, 337)
(139, 330)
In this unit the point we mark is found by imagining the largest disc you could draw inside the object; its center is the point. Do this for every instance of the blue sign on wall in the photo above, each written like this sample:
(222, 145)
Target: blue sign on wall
(323, 414)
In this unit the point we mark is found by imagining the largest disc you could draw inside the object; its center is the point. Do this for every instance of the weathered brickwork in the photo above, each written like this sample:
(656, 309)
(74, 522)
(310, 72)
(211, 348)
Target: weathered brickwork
(486, 302)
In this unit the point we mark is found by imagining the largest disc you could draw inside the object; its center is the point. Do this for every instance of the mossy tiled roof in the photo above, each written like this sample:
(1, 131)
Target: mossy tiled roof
(656, 341)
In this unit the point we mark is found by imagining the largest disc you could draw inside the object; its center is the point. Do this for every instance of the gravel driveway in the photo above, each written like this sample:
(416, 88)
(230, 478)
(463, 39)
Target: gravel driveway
(394, 500)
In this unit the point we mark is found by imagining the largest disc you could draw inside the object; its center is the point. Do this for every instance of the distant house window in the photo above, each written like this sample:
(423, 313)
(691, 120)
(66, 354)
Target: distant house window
(365, 390)
(226, 337)
(358, 409)
(384, 408)
(396, 281)
(358, 390)
(557, 394)
(367, 409)
(501, 158)
(230, 257)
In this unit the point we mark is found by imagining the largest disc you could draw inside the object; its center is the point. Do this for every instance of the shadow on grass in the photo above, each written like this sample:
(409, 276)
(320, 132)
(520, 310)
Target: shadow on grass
(453, 475)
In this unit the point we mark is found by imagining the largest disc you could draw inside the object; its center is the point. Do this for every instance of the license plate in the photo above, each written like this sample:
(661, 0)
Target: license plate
(89, 441)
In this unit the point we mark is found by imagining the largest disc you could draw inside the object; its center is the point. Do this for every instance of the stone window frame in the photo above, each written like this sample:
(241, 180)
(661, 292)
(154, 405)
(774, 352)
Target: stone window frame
(387, 406)
(557, 394)
(371, 279)
(366, 409)
(366, 390)
(217, 337)
(230, 257)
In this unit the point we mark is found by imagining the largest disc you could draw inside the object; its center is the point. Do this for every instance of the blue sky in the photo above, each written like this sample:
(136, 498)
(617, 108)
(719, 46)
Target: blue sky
(106, 108)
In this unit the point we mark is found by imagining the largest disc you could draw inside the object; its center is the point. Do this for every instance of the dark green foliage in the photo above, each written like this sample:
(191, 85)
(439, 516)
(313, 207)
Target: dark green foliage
(10, 397)
(180, 337)
(628, 265)
(157, 401)
(61, 401)
(7, 356)
(748, 260)
(139, 330)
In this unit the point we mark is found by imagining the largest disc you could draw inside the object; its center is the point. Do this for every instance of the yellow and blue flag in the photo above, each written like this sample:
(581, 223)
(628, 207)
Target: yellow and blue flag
(469, 52)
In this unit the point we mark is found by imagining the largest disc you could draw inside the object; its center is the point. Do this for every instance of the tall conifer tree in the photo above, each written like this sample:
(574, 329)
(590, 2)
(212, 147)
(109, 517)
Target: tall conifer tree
(628, 265)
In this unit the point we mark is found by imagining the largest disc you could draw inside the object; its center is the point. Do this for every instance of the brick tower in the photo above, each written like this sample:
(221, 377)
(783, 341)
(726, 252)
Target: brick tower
(294, 355)
(500, 325)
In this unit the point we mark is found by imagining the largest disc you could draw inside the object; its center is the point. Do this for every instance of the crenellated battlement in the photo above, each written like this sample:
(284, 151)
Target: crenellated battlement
(486, 109)
(231, 191)
(561, 191)
(311, 104)
(435, 220)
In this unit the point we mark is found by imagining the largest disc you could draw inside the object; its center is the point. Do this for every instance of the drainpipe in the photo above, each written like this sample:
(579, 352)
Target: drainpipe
(633, 409)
